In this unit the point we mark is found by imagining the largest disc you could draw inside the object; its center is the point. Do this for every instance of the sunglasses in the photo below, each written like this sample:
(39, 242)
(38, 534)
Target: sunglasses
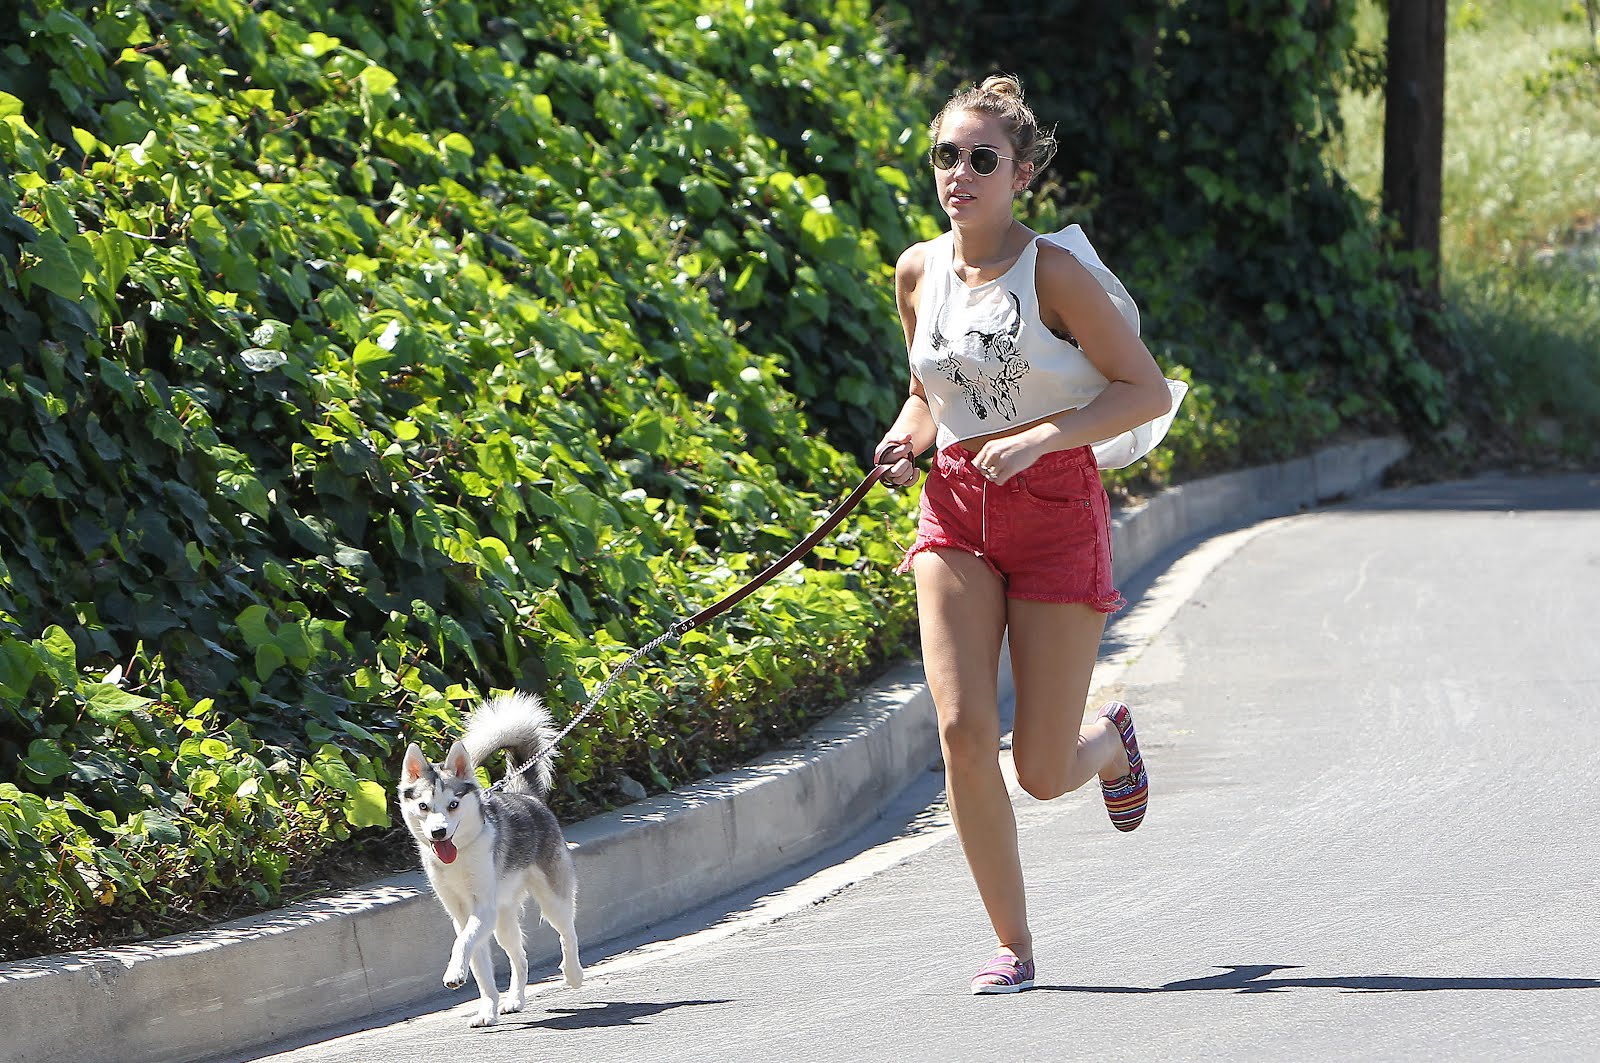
(945, 156)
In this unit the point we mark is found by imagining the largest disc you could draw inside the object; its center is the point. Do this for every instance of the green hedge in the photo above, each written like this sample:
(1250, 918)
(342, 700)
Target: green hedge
(362, 361)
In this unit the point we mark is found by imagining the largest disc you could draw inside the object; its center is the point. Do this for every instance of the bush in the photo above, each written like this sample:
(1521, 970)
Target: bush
(363, 361)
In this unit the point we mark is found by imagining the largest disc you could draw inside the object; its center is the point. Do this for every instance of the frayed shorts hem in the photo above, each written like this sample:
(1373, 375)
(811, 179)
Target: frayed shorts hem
(1108, 604)
(1099, 605)
(922, 546)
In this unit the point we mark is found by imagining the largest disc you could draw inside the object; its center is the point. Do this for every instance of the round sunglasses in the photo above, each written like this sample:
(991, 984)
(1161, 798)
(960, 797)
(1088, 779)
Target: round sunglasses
(946, 155)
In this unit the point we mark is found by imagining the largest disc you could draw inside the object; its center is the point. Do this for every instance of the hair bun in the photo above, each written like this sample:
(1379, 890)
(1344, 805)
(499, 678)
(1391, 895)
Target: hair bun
(1002, 85)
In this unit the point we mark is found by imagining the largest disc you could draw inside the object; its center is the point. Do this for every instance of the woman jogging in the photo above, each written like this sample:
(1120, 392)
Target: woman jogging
(1019, 362)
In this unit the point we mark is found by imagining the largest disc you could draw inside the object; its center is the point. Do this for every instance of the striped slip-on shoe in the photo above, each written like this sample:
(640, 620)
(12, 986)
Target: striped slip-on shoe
(1005, 974)
(1127, 798)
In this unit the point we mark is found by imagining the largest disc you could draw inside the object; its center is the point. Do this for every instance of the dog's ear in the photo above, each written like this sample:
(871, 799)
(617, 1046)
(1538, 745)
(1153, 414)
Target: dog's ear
(415, 765)
(458, 762)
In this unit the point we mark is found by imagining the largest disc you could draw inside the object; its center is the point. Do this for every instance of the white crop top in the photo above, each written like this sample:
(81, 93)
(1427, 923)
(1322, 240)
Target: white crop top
(987, 362)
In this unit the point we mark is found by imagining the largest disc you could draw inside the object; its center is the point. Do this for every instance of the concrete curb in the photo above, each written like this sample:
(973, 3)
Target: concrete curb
(361, 952)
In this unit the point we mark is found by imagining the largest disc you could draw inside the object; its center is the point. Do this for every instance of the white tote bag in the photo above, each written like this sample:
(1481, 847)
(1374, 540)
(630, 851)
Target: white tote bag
(1122, 450)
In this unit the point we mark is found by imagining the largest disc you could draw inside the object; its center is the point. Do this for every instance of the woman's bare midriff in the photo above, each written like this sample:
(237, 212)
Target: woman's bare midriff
(976, 443)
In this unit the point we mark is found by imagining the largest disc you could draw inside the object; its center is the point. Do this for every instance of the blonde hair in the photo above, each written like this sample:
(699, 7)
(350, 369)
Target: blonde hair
(1000, 96)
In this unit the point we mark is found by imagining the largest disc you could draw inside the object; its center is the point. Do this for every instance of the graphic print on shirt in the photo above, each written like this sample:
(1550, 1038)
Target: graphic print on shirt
(984, 363)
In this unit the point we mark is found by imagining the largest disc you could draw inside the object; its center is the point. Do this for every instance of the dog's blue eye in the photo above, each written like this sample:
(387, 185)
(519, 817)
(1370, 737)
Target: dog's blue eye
(422, 806)
(454, 805)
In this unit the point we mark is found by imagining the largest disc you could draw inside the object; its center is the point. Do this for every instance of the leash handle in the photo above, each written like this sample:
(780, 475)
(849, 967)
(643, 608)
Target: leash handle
(682, 627)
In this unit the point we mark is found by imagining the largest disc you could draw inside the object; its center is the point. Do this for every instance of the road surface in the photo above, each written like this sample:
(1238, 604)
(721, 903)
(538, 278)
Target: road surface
(1373, 733)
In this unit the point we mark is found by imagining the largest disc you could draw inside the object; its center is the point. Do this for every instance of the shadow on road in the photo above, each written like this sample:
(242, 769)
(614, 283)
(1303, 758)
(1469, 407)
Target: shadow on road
(598, 1016)
(1254, 979)
(1491, 493)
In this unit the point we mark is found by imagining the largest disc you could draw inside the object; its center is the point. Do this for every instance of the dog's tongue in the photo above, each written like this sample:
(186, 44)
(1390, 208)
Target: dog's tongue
(445, 850)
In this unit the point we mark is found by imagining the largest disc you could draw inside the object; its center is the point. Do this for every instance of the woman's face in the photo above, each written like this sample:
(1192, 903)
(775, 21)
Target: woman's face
(966, 194)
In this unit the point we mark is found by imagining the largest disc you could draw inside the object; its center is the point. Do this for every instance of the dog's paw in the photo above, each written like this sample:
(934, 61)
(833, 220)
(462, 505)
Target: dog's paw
(573, 975)
(486, 1016)
(510, 1005)
(455, 977)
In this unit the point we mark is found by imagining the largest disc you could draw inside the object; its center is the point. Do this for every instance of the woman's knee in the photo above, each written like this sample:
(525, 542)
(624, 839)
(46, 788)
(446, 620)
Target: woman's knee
(1043, 777)
(1042, 786)
(968, 740)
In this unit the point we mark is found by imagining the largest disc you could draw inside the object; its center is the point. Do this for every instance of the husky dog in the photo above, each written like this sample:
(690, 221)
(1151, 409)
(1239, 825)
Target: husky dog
(485, 850)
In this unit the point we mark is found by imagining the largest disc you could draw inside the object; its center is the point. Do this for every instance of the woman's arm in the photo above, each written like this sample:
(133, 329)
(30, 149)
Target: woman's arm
(1072, 302)
(913, 430)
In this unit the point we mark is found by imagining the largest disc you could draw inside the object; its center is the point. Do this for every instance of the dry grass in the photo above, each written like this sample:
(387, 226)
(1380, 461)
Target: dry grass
(1520, 237)
(1518, 171)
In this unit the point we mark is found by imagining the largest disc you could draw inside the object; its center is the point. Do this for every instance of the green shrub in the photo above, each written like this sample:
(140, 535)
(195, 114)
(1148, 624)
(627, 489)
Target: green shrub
(363, 361)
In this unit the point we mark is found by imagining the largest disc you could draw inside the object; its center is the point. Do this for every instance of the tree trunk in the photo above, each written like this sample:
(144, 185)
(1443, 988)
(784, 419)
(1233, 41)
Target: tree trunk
(1413, 126)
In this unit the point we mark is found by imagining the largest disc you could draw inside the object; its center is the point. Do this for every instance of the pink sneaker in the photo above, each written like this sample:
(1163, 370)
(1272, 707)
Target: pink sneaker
(1005, 974)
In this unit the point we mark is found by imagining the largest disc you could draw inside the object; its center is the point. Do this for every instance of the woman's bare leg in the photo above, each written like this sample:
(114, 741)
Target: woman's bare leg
(1053, 650)
(962, 607)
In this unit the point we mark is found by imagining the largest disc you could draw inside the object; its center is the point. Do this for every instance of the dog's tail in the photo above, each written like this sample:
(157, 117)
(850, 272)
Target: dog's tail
(520, 725)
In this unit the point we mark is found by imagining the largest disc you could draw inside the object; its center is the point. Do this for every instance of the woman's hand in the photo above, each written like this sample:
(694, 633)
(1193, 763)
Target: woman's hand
(1001, 459)
(895, 453)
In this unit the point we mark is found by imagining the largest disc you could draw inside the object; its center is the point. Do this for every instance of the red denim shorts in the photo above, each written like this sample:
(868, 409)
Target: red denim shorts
(1046, 532)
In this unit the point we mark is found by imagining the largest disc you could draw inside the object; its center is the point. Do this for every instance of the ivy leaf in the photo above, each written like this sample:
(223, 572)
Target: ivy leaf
(330, 767)
(367, 805)
(109, 704)
(115, 252)
(377, 81)
(252, 623)
(161, 829)
(246, 490)
(166, 428)
(370, 355)
(269, 659)
(46, 761)
(457, 634)
(207, 228)
(59, 654)
(37, 480)
(56, 271)
(454, 144)
(19, 664)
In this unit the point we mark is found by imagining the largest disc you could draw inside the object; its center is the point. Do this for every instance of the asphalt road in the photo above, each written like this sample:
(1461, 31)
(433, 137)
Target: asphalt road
(1372, 733)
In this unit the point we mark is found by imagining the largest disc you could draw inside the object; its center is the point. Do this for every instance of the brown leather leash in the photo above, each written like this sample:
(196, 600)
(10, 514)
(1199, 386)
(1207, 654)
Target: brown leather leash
(801, 549)
(716, 608)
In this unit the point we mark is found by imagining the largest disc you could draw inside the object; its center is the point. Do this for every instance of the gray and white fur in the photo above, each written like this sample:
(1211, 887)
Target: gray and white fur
(486, 850)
